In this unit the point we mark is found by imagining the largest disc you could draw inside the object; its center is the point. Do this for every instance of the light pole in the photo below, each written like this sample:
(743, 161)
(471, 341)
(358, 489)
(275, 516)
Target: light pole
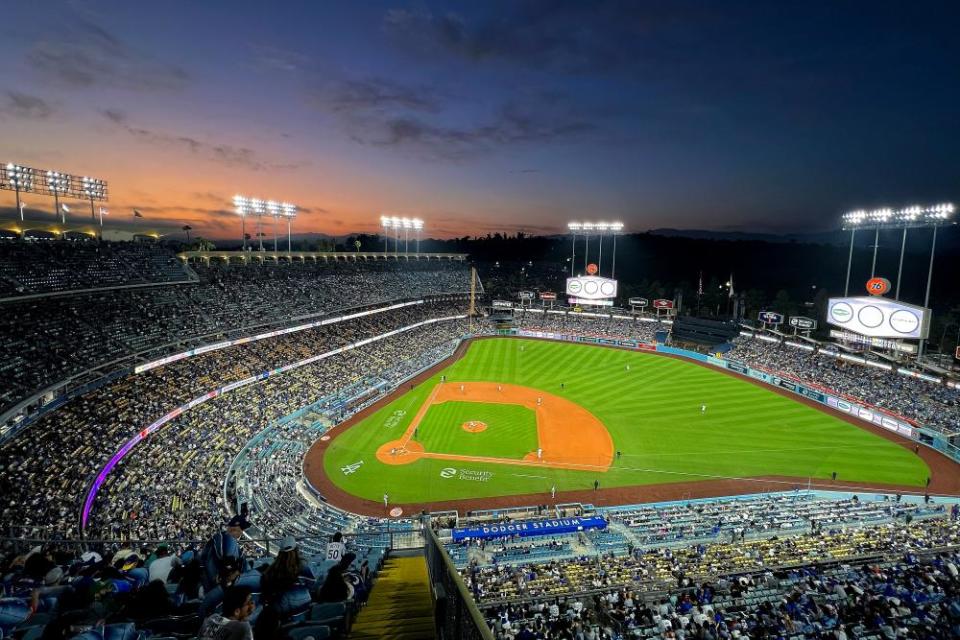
(57, 183)
(103, 212)
(289, 212)
(573, 227)
(616, 228)
(417, 226)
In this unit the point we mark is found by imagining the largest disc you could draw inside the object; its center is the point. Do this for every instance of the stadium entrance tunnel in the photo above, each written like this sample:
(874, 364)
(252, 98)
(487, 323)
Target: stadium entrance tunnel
(568, 436)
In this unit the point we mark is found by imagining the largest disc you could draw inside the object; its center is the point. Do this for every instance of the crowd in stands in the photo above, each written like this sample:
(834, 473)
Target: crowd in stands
(856, 579)
(929, 404)
(45, 470)
(171, 485)
(45, 266)
(221, 589)
(53, 338)
(577, 324)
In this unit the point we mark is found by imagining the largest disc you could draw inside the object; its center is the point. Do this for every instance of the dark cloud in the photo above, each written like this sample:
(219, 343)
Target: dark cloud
(568, 36)
(268, 57)
(22, 105)
(380, 94)
(78, 53)
(230, 155)
(431, 123)
(512, 124)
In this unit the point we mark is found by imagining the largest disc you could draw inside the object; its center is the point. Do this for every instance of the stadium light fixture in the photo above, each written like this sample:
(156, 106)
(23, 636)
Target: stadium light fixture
(418, 226)
(912, 217)
(20, 178)
(245, 206)
(289, 212)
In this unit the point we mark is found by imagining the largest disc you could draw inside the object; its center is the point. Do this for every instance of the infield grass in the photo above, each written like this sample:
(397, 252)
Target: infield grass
(652, 412)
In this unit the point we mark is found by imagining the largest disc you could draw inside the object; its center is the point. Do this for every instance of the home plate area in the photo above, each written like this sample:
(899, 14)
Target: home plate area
(567, 435)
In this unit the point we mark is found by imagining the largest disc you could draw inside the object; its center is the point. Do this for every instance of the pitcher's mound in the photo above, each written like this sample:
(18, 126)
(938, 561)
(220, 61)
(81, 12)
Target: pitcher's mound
(474, 426)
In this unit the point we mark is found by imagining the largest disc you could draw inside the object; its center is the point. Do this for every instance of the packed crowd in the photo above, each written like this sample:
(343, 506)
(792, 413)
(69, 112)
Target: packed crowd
(906, 597)
(41, 266)
(53, 338)
(223, 588)
(753, 516)
(606, 326)
(170, 485)
(652, 567)
(45, 469)
(930, 404)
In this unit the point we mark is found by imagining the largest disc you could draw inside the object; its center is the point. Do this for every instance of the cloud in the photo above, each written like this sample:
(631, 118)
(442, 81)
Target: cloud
(570, 36)
(428, 122)
(272, 58)
(28, 107)
(78, 53)
(511, 124)
(349, 95)
(226, 154)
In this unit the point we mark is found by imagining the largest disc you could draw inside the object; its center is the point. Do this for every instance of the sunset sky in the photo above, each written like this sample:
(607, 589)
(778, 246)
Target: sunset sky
(489, 116)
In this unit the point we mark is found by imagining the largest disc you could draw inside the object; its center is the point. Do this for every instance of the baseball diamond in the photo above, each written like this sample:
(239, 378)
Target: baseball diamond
(588, 421)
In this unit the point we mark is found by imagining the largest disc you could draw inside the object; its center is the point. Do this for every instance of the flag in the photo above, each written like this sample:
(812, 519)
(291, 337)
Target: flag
(65, 208)
(731, 286)
(137, 214)
(104, 212)
(700, 285)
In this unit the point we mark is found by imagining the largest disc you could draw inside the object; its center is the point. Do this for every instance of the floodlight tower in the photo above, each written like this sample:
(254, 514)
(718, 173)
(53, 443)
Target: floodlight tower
(241, 206)
(18, 178)
(418, 226)
(573, 227)
(58, 183)
(601, 227)
(93, 189)
(385, 223)
(259, 208)
(914, 217)
(407, 225)
(587, 228)
(396, 223)
(615, 228)
(273, 210)
(289, 212)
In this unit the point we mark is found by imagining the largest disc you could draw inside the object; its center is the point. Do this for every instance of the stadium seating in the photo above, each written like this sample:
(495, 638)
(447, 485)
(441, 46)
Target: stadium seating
(53, 338)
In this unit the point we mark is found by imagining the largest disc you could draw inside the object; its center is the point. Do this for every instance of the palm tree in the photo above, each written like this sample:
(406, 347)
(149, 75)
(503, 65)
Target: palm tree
(187, 228)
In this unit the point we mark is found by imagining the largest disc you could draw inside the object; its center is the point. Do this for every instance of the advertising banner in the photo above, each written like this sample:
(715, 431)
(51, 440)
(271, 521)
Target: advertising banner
(661, 303)
(803, 323)
(771, 317)
(548, 295)
(638, 302)
(591, 288)
(529, 528)
(525, 295)
(870, 415)
(877, 317)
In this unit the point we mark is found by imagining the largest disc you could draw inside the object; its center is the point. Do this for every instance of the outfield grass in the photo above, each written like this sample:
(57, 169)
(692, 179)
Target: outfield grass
(511, 429)
(652, 412)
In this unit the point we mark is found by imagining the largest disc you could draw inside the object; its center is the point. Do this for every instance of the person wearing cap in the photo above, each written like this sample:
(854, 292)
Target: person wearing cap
(222, 558)
(232, 623)
(223, 561)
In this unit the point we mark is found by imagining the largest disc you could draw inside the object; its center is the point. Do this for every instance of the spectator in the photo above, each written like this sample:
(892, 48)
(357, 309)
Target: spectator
(232, 624)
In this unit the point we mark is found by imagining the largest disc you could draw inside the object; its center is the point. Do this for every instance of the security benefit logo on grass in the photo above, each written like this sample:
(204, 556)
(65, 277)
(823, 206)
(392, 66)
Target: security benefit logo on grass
(394, 419)
(351, 468)
(449, 473)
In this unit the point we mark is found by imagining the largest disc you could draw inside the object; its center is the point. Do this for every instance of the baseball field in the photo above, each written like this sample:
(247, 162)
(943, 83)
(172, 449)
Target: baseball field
(514, 417)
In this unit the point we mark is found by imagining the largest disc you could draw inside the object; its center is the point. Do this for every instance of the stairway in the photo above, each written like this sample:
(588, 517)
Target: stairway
(400, 606)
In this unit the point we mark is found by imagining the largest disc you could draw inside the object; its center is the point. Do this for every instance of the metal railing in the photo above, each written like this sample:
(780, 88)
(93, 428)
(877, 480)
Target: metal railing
(456, 613)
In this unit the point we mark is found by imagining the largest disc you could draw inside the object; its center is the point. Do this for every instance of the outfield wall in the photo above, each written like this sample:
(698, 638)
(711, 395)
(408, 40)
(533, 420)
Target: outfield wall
(821, 395)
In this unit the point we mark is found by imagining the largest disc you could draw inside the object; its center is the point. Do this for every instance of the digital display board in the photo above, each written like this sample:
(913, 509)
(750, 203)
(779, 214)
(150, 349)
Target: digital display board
(879, 317)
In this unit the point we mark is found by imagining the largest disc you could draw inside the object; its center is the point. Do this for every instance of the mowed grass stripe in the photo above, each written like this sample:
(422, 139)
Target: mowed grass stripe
(653, 414)
(511, 430)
